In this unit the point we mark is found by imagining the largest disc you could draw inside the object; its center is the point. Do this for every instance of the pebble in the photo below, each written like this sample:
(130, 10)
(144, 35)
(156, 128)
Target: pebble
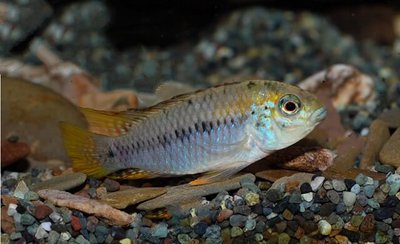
(213, 232)
(200, 228)
(317, 182)
(252, 198)
(184, 238)
(287, 214)
(31, 196)
(308, 197)
(53, 237)
(236, 231)
(361, 179)
(41, 233)
(328, 185)
(295, 197)
(42, 211)
(342, 239)
(21, 190)
(341, 208)
(27, 219)
(369, 190)
(111, 185)
(65, 236)
(283, 238)
(381, 237)
(356, 188)
(305, 188)
(333, 196)
(394, 181)
(349, 198)
(338, 185)
(62, 182)
(160, 230)
(389, 153)
(238, 220)
(324, 227)
(273, 195)
(383, 213)
(250, 224)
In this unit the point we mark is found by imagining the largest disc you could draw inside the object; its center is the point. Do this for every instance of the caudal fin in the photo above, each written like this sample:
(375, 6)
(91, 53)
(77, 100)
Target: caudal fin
(82, 147)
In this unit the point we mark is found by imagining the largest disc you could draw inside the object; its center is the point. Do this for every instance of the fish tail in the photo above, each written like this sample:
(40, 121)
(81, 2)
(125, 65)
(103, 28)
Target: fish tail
(83, 148)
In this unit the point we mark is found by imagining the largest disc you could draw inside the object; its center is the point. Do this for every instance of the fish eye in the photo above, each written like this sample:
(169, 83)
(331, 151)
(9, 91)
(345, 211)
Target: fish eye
(289, 104)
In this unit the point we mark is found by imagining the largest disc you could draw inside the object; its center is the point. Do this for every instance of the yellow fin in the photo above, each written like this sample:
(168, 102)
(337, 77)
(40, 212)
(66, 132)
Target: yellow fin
(132, 174)
(109, 123)
(219, 174)
(171, 89)
(81, 148)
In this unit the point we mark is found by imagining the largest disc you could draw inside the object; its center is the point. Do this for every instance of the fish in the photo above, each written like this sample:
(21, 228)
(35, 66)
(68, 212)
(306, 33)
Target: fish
(216, 131)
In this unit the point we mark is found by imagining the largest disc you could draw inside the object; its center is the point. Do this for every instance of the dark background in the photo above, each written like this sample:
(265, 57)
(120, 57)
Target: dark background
(168, 22)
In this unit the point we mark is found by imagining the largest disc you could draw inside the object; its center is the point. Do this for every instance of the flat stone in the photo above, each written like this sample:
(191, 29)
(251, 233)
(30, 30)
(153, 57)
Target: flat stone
(390, 153)
(62, 182)
(124, 198)
(377, 136)
(391, 117)
(351, 174)
(180, 194)
(275, 174)
(349, 198)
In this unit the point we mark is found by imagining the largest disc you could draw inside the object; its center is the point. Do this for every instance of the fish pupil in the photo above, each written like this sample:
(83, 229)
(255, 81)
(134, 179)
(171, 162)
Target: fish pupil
(290, 106)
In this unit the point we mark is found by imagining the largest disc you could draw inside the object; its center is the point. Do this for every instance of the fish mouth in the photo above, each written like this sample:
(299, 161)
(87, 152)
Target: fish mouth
(318, 115)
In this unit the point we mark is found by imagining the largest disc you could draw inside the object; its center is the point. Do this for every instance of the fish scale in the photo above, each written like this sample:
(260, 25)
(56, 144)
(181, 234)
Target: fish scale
(219, 130)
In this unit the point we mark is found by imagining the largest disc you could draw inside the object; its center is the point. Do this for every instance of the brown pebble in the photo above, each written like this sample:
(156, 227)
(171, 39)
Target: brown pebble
(390, 153)
(42, 211)
(299, 233)
(7, 222)
(377, 136)
(342, 239)
(11, 152)
(391, 117)
(287, 214)
(7, 199)
(224, 214)
(368, 224)
(281, 226)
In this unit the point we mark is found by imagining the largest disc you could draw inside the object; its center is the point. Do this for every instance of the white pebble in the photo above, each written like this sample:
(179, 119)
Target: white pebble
(272, 215)
(308, 197)
(65, 236)
(349, 198)
(41, 233)
(46, 226)
(317, 182)
(55, 217)
(12, 209)
(370, 181)
(324, 227)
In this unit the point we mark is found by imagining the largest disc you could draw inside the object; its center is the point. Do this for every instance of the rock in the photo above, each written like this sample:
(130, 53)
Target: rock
(283, 238)
(62, 182)
(390, 153)
(250, 225)
(75, 223)
(41, 211)
(298, 177)
(124, 198)
(383, 213)
(11, 152)
(351, 174)
(349, 198)
(7, 222)
(182, 193)
(65, 199)
(53, 237)
(338, 185)
(160, 230)
(383, 168)
(287, 214)
(111, 185)
(275, 174)
(27, 219)
(41, 233)
(369, 190)
(21, 190)
(327, 208)
(308, 197)
(224, 214)
(355, 189)
(200, 228)
(305, 188)
(317, 182)
(333, 196)
(377, 136)
(236, 231)
(38, 111)
(252, 198)
(368, 224)
(391, 117)
(237, 220)
(116, 100)
(324, 227)
(341, 239)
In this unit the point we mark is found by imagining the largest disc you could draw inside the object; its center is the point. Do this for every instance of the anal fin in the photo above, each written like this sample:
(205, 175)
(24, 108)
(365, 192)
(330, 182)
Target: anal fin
(133, 174)
(219, 174)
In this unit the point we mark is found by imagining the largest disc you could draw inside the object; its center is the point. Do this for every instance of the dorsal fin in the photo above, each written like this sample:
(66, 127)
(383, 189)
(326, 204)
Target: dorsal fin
(171, 89)
(111, 123)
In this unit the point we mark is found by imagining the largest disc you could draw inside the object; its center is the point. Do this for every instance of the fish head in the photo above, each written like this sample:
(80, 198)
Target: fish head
(284, 114)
